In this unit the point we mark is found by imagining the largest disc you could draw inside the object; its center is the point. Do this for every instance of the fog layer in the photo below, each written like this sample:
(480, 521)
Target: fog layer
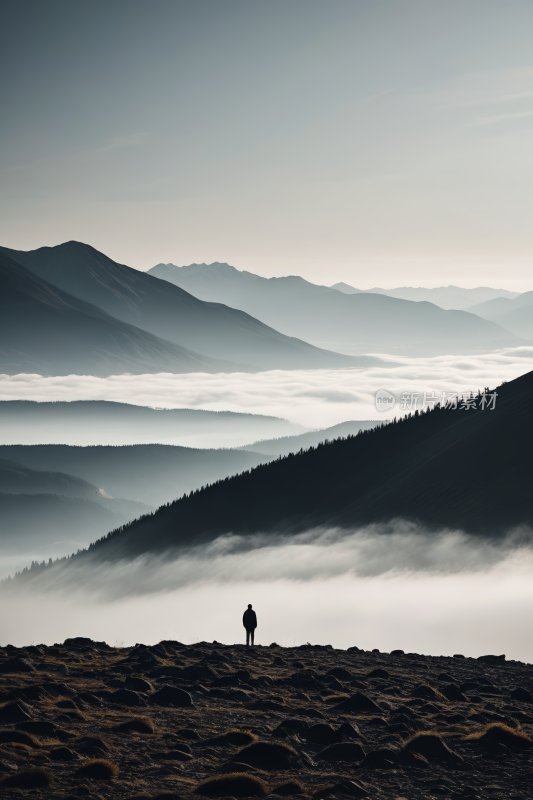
(397, 588)
(312, 398)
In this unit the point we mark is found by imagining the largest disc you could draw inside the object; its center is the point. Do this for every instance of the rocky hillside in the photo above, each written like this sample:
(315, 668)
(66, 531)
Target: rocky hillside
(83, 719)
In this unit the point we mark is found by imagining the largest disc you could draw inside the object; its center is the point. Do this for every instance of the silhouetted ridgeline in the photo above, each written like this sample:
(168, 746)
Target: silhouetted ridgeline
(44, 329)
(351, 323)
(170, 325)
(444, 468)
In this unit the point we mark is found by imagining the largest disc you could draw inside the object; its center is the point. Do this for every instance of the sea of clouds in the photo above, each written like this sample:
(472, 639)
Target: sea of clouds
(313, 398)
(394, 587)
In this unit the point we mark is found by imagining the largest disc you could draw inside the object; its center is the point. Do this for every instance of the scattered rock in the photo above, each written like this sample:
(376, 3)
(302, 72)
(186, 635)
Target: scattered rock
(497, 734)
(432, 747)
(340, 673)
(451, 692)
(28, 779)
(343, 751)
(17, 665)
(522, 695)
(269, 756)
(424, 691)
(322, 734)
(359, 703)
(13, 713)
(138, 685)
(125, 697)
(171, 696)
(236, 784)
(491, 659)
(63, 754)
(138, 724)
(378, 673)
(19, 737)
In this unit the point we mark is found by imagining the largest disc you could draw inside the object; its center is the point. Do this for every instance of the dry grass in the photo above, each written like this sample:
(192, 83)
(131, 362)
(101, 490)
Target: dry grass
(236, 784)
(430, 745)
(137, 725)
(98, 768)
(239, 736)
(292, 787)
(67, 704)
(19, 737)
(498, 733)
(93, 741)
(28, 779)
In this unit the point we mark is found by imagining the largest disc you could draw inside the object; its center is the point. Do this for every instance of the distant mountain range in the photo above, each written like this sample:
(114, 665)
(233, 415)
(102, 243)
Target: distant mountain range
(70, 308)
(94, 422)
(153, 474)
(448, 297)
(359, 322)
(514, 314)
(48, 513)
(446, 468)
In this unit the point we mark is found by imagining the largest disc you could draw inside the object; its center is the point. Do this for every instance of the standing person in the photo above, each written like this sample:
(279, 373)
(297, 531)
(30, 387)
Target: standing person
(249, 620)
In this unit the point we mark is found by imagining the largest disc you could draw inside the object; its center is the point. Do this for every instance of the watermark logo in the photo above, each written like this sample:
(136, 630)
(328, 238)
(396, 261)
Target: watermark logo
(384, 400)
(415, 401)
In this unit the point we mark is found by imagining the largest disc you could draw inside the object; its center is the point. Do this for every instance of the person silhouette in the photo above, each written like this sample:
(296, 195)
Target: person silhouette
(249, 620)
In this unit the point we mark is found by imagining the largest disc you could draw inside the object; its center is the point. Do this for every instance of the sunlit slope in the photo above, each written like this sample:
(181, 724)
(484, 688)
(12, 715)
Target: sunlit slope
(171, 313)
(466, 469)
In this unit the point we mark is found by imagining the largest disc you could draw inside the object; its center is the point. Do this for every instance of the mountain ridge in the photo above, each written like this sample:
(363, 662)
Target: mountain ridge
(173, 314)
(350, 323)
(44, 329)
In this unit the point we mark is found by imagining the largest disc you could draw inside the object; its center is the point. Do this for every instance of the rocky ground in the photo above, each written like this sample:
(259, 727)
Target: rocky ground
(83, 719)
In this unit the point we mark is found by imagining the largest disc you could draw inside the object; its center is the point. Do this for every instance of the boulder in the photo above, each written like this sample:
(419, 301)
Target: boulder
(522, 695)
(17, 665)
(269, 756)
(451, 692)
(359, 703)
(171, 696)
(378, 673)
(12, 713)
(340, 673)
(125, 697)
(63, 754)
(424, 691)
(323, 734)
(491, 659)
(138, 685)
(432, 747)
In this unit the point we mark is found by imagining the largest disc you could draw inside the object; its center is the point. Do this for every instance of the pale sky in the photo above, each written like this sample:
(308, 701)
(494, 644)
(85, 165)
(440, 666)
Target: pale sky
(382, 142)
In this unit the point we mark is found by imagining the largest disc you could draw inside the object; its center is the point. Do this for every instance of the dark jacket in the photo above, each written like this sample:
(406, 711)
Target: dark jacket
(249, 620)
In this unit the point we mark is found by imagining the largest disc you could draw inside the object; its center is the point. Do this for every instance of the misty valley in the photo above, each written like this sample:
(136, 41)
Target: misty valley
(179, 443)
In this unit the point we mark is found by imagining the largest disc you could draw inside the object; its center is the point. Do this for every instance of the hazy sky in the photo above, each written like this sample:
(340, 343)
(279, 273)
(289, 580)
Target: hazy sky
(381, 143)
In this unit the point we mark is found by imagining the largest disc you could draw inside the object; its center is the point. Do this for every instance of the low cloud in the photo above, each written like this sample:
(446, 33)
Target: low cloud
(390, 588)
(396, 548)
(312, 398)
